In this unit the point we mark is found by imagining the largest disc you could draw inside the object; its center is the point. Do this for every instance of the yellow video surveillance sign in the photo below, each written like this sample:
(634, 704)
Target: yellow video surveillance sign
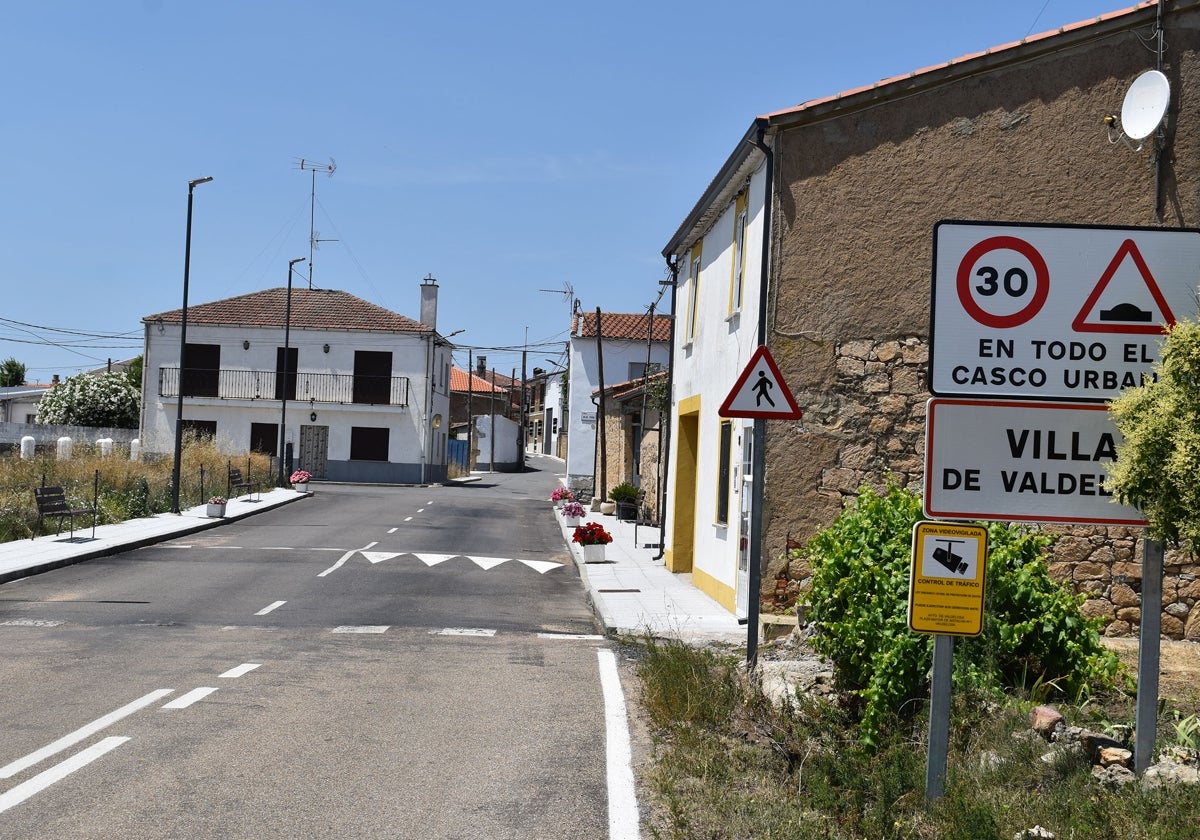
(948, 579)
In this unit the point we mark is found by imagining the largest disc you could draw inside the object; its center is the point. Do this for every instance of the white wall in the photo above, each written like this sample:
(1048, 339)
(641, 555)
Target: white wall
(499, 441)
(708, 367)
(585, 378)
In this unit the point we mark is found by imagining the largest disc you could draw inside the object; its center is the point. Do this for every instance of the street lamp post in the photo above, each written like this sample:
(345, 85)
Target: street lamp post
(187, 263)
(283, 393)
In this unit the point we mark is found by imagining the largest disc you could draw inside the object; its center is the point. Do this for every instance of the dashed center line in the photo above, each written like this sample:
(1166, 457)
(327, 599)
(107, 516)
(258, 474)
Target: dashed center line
(393, 530)
(191, 697)
(365, 628)
(271, 607)
(408, 519)
(240, 670)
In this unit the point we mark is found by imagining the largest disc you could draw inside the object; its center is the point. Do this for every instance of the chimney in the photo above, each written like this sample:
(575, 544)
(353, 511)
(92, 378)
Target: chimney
(481, 367)
(429, 295)
(54, 379)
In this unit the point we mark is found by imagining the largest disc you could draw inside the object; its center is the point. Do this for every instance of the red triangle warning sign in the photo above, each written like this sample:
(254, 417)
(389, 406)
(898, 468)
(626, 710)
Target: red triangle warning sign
(1126, 299)
(761, 392)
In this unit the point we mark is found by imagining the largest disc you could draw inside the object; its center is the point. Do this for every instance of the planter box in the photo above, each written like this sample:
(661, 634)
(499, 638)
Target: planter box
(593, 553)
(215, 511)
(300, 487)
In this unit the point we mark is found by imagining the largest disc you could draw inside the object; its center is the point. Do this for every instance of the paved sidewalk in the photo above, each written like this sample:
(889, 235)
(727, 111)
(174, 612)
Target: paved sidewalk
(634, 593)
(20, 558)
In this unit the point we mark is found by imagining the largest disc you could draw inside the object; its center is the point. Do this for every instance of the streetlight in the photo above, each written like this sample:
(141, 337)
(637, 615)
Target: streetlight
(187, 262)
(283, 393)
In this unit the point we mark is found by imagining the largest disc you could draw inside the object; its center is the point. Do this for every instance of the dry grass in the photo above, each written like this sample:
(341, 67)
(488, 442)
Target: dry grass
(122, 489)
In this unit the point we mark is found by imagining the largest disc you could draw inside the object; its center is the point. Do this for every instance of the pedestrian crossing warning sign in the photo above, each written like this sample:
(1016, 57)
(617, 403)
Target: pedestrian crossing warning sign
(761, 392)
(948, 578)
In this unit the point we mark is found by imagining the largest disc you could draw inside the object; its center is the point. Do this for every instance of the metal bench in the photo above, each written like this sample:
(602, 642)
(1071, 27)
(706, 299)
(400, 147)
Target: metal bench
(237, 482)
(52, 501)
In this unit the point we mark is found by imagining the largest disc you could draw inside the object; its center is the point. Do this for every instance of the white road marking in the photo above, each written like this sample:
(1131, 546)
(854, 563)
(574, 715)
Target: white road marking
(362, 628)
(271, 607)
(240, 670)
(486, 563)
(393, 530)
(408, 519)
(540, 566)
(174, 545)
(420, 510)
(463, 631)
(379, 556)
(622, 796)
(30, 622)
(342, 560)
(188, 699)
(277, 548)
(433, 559)
(58, 772)
(587, 637)
(83, 732)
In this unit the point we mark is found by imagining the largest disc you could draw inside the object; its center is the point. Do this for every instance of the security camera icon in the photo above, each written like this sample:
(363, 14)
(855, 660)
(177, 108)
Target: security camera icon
(947, 557)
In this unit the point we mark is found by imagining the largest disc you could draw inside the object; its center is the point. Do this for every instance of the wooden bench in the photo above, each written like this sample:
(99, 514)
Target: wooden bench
(237, 482)
(52, 501)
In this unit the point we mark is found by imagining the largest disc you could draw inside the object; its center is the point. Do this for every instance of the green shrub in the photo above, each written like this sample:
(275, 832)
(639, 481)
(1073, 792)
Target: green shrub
(1033, 630)
(623, 492)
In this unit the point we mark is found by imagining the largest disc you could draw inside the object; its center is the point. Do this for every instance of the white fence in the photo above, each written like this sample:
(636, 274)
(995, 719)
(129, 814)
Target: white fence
(47, 436)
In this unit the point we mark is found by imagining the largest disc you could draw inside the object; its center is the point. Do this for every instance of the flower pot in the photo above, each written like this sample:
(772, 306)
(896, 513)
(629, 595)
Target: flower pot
(215, 511)
(300, 486)
(593, 553)
(572, 521)
(608, 508)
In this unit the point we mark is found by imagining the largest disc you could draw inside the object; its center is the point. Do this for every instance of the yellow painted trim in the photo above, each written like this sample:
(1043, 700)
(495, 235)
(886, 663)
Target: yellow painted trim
(723, 594)
(689, 405)
(683, 494)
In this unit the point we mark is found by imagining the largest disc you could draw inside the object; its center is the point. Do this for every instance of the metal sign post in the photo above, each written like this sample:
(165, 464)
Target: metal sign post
(1149, 645)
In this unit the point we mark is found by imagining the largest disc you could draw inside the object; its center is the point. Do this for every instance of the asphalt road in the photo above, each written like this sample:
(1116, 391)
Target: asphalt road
(370, 662)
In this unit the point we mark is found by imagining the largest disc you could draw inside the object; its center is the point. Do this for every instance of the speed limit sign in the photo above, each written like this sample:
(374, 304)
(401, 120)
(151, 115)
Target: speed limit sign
(1054, 312)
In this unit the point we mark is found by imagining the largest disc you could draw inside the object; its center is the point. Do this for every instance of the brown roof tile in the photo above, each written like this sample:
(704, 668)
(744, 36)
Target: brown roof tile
(622, 325)
(459, 379)
(327, 309)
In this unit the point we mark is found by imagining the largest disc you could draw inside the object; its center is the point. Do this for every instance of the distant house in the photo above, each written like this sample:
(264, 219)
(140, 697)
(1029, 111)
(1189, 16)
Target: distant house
(19, 403)
(634, 435)
(546, 398)
(628, 342)
(367, 390)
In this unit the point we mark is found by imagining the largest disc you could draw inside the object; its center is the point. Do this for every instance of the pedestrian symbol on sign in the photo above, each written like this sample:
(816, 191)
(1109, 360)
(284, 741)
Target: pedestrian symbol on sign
(752, 393)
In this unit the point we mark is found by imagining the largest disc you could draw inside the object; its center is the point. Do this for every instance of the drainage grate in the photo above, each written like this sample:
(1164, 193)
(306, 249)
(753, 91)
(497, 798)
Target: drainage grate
(618, 590)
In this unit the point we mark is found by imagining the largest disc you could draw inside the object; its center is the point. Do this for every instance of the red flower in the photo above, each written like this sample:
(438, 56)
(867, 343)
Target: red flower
(591, 533)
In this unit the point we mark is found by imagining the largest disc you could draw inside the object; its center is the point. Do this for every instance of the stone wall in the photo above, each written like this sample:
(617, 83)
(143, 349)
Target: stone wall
(875, 414)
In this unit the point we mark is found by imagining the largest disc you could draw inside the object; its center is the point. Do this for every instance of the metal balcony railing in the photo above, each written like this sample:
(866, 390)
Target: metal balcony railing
(342, 388)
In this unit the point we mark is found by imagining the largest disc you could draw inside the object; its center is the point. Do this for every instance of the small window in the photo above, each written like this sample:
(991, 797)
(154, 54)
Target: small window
(723, 473)
(368, 443)
(738, 274)
(285, 376)
(693, 293)
(200, 428)
(264, 437)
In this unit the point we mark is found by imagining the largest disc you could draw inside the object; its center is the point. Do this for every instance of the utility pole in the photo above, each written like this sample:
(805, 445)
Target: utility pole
(602, 479)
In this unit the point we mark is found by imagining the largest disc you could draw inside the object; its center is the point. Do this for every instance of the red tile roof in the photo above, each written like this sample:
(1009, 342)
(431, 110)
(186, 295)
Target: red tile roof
(622, 325)
(327, 309)
(460, 378)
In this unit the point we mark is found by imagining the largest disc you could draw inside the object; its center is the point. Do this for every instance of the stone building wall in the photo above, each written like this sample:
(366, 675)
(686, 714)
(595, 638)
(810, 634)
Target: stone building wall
(876, 410)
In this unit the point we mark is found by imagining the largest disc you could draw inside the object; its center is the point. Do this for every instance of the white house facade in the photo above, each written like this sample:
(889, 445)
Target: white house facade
(628, 343)
(717, 254)
(362, 393)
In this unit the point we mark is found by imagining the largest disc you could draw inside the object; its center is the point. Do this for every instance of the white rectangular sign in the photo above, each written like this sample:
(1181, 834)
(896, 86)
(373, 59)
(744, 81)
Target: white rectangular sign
(1054, 312)
(1021, 461)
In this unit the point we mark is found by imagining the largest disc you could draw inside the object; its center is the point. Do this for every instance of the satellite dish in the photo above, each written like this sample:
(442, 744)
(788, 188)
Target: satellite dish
(1145, 105)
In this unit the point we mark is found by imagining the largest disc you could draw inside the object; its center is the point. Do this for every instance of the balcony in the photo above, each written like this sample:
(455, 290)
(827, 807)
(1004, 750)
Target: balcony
(343, 388)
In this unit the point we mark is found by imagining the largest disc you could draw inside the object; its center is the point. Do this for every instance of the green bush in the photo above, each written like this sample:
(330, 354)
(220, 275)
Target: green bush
(623, 492)
(1033, 631)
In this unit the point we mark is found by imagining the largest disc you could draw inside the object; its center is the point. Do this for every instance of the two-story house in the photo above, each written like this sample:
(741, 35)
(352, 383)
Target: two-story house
(624, 344)
(361, 393)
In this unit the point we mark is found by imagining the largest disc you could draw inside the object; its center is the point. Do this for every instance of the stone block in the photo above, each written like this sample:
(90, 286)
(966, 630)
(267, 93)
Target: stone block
(1172, 627)
(855, 349)
(1122, 595)
(1133, 615)
(1091, 571)
(1097, 608)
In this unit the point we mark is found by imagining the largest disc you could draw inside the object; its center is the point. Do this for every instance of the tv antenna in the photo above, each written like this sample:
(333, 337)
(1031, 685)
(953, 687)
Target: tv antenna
(313, 233)
(568, 293)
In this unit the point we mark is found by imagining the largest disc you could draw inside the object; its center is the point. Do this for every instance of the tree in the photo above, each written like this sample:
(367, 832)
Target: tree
(134, 372)
(12, 373)
(1157, 463)
(107, 401)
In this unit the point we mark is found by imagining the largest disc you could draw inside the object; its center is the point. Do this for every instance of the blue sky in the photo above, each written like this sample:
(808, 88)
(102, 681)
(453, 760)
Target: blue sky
(503, 148)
